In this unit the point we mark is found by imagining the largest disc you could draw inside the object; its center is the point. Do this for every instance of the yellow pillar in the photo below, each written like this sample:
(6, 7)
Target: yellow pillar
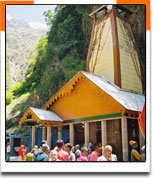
(59, 132)
(33, 136)
(49, 136)
(86, 133)
(104, 135)
(124, 139)
(71, 133)
(44, 133)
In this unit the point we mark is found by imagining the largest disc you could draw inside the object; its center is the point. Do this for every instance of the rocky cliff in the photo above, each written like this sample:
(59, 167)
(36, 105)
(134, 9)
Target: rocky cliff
(21, 38)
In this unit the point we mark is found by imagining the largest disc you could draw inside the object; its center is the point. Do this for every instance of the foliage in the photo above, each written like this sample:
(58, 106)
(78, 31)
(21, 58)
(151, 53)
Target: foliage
(49, 16)
(66, 31)
(71, 66)
(9, 97)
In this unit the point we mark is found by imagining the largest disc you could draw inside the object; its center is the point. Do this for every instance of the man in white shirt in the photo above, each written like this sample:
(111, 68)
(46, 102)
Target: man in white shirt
(108, 155)
(8, 152)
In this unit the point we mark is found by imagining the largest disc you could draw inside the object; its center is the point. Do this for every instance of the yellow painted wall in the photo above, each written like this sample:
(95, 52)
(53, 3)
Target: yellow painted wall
(85, 100)
(101, 59)
(129, 62)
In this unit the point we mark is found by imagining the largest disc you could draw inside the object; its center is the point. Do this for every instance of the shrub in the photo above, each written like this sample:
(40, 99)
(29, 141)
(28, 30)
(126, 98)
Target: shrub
(71, 65)
(9, 97)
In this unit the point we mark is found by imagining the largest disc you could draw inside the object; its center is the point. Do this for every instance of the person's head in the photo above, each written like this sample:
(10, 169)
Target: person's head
(96, 148)
(45, 148)
(35, 147)
(43, 142)
(133, 144)
(84, 151)
(59, 143)
(22, 147)
(77, 147)
(108, 150)
(73, 149)
(68, 147)
(53, 155)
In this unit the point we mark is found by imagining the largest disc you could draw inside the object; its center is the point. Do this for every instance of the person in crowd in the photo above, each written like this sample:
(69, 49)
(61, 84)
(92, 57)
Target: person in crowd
(27, 149)
(108, 156)
(77, 152)
(53, 156)
(90, 145)
(30, 156)
(68, 148)
(89, 152)
(84, 154)
(143, 155)
(8, 152)
(100, 148)
(95, 154)
(61, 154)
(43, 142)
(35, 151)
(43, 154)
(22, 153)
(135, 156)
(73, 149)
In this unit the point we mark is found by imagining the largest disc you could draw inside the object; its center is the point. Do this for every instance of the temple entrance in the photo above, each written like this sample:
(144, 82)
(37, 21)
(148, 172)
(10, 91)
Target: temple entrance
(79, 134)
(114, 137)
(95, 132)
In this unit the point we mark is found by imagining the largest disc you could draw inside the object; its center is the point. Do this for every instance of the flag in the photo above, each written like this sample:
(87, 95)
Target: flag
(142, 121)
(35, 94)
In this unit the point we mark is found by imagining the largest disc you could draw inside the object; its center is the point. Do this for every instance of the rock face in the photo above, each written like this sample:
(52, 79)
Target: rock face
(21, 38)
(138, 21)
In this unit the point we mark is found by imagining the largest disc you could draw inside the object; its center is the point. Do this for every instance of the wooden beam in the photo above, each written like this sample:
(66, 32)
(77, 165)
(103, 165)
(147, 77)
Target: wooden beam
(99, 9)
(116, 53)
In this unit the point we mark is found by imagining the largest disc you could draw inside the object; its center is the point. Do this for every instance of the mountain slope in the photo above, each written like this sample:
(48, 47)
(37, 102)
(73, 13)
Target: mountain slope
(21, 39)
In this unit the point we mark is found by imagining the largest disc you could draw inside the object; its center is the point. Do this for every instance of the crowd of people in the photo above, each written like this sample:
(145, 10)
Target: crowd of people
(67, 152)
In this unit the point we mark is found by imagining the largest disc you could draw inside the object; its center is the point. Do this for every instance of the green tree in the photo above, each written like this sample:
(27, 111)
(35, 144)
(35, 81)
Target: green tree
(49, 17)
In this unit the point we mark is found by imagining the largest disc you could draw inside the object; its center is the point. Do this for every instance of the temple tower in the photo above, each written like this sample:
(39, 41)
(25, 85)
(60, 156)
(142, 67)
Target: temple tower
(113, 52)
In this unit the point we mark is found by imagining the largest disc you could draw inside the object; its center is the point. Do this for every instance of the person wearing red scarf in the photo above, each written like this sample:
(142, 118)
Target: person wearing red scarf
(22, 152)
